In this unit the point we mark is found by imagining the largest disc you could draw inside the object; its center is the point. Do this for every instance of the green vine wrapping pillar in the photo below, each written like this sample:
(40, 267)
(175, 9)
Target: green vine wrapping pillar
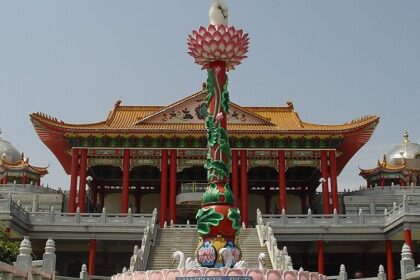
(218, 222)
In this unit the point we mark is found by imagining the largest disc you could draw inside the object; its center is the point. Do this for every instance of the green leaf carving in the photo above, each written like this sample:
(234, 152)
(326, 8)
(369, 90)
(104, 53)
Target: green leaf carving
(212, 194)
(207, 217)
(229, 198)
(221, 169)
(212, 133)
(223, 141)
(225, 97)
(235, 216)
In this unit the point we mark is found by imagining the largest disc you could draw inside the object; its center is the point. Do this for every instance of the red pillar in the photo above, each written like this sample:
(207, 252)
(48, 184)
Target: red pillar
(321, 260)
(382, 182)
(244, 187)
(407, 238)
(126, 181)
(82, 180)
(172, 187)
(92, 256)
(333, 174)
(324, 175)
(235, 177)
(282, 180)
(163, 187)
(24, 178)
(402, 183)
(389, 260)
(73, 180)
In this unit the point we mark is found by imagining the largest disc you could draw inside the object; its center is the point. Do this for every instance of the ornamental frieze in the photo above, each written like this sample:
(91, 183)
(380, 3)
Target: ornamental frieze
(117, 162)
(305, 162)
(145, 161)
(262, 162)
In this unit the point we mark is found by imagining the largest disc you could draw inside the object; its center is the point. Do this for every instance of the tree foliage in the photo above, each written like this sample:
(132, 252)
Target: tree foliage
(8, 249)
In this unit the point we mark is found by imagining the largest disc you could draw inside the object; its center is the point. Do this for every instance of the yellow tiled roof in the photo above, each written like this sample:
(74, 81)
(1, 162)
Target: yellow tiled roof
(127, 119)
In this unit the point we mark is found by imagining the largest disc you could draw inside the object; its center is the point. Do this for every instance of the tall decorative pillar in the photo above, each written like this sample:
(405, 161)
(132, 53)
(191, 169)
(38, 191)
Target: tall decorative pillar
(126, 181)
(282, 180)
(82, 180)
(218, 48)
(333, 176)
(163, 187)
(235, 177)
(389, 261)
(73, 180)
(172, 186)
(24, 178)
(382, 182)
(324, 181)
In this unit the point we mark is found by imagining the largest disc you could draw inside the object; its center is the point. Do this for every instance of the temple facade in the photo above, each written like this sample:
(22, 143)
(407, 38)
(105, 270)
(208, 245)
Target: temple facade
(141, 157)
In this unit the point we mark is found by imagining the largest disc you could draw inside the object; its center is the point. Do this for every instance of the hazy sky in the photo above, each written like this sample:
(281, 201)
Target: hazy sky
(336, 60)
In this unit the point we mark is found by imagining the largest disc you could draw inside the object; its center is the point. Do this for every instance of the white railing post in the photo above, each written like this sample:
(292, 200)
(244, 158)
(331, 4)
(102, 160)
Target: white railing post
(49, 257)
(343, 274)
(407, 262)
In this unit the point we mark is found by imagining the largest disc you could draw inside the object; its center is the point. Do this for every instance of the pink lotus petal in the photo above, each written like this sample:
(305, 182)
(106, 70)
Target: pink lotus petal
(212, 29)
(208, 37)
(240, 32)
(229, 46)
(235, 38)
(217, 36)
(222, 29)
(202, 30)
(206, 46)
(213, 45)
(217, 53)
(222, 46)
(232, 30)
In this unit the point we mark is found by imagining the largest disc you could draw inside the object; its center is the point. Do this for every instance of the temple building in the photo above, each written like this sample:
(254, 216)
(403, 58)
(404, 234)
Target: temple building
(401, 166)
(14, 167)
(141, 157)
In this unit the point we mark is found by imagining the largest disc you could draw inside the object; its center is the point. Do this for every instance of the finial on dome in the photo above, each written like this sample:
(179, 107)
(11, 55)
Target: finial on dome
(405, 135)
(218, 13)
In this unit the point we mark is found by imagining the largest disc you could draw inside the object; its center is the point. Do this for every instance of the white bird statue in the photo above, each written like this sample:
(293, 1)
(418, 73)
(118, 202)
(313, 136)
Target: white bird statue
(261, 261)
(184, 263)
(240, 264)
(218, 13)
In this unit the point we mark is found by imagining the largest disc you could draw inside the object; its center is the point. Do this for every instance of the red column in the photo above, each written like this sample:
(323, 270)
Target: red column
(24, 177)
(333, 174)
(244, 187)
(38, 182)
(92, 256)
(321, 261)
(126, 181)
(163, 187)
(82, 180)
(389, 260)
(382, 182)
(402, 183)
(235, 177)
(73, 180)
(324, 175)
(172, 187)
(282, 180)
(407, 238)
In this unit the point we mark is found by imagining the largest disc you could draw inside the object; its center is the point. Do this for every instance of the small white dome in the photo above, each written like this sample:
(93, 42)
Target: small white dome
(405, 150)
(8, 153)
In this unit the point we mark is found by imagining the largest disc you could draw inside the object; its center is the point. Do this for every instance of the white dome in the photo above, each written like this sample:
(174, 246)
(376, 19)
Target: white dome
(405, 150)
(8, 153)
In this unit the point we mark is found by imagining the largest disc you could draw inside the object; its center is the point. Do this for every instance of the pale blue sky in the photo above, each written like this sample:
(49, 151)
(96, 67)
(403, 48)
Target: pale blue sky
(336, 60)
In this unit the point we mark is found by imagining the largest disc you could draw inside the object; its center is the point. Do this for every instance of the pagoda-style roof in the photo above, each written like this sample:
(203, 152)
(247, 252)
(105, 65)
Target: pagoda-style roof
(185, 118)
(384, 166)
(23, 165)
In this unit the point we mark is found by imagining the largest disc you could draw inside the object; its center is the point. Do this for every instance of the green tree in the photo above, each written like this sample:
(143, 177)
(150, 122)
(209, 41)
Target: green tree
(8, 249)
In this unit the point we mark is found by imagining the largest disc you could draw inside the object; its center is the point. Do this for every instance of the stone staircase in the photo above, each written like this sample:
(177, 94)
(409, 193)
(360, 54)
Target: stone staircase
(251, 248)
(169, 240)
